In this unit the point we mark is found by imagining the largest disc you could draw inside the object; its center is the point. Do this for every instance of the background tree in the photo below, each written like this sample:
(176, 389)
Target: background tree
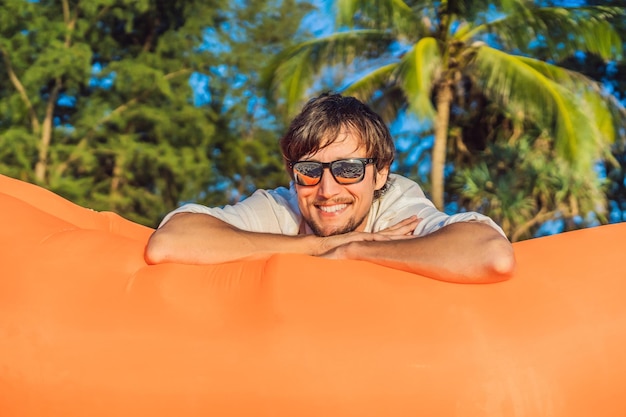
(443, 60)
(96, 102)
(136, 107)
(246, 153)
(515, 182)
(613, 75)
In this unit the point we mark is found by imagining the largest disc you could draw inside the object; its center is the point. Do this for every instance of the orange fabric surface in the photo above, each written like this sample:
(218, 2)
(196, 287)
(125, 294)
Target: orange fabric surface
(88, 329)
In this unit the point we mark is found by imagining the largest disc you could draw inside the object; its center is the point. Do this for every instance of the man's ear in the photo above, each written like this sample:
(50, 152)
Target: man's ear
(381, 177)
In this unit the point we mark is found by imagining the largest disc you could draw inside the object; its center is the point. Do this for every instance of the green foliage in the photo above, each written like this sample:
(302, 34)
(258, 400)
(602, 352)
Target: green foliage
(613, 75)
(460, 58)
(96, 102)
(563, 102)
(514, 182)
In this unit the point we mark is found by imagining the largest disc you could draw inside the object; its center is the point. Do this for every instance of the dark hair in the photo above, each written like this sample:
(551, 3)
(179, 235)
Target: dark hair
(323, 118)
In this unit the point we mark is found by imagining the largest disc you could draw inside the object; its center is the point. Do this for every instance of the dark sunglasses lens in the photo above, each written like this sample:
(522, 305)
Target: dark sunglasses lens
(307, 173)
(348, 171)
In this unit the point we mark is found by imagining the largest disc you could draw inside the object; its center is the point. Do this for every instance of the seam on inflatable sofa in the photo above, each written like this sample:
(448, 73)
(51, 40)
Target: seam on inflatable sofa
(57, 232)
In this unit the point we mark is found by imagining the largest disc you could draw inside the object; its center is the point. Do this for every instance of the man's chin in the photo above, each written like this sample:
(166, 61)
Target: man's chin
(327, 231)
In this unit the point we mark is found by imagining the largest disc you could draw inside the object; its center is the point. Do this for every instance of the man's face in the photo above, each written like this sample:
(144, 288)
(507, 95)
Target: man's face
(330, 208)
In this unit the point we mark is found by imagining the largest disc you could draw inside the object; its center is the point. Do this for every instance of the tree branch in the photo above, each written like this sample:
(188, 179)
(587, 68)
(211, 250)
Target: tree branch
(46, 134)
(22, 92)
(41, 167)
(540, 217)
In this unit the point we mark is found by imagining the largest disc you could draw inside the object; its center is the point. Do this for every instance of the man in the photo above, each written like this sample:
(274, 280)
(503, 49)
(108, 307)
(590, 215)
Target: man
(342, 204)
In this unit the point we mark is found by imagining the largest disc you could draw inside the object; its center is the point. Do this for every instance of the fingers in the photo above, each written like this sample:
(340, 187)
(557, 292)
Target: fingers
(330, 243)
(403, 227)
(399, 231)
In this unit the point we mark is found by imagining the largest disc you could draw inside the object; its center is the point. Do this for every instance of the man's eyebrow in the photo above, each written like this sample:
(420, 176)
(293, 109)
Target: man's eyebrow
(338, 159)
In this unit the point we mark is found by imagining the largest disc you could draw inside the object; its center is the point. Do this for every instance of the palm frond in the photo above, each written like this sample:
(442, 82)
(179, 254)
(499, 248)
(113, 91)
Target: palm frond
(369, 83)
(561, 30)
(602, 107)
(534, 90)
(379, 89)
(394, 15)
(292, 72)
(417, 72)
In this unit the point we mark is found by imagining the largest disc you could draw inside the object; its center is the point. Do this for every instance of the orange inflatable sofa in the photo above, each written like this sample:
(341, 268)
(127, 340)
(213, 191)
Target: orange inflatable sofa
(88, 329)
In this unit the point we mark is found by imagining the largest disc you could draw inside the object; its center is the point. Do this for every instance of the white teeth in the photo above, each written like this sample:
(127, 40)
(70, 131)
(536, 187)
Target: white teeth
(332, 209)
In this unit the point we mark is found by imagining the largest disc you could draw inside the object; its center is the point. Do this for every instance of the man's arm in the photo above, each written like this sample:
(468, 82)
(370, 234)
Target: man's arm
(464, 252)
(194, 238)
(468, 252)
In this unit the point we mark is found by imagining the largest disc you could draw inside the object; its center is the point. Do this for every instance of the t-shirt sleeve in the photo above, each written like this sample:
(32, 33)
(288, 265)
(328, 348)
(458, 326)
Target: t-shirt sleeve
(262, 212)
(405, 198)
(433, 219)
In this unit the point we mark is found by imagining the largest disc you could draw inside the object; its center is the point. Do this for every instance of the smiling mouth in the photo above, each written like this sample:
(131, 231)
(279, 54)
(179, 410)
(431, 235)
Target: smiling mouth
(332, 209)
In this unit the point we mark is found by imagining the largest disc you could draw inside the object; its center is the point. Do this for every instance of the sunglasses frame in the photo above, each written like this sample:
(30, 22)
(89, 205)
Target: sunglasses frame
(364, 161)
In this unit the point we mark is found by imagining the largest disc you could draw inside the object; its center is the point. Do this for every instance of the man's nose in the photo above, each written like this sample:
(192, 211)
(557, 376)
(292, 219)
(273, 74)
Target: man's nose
(328, 187)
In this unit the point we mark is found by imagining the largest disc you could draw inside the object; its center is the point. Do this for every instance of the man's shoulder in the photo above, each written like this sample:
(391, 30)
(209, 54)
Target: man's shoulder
(403, 186)
(400, 192)
(279, 192)
(280, 196)
(402, 199)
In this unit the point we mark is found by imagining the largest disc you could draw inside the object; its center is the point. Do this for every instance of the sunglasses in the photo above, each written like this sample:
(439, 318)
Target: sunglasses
(344, 171)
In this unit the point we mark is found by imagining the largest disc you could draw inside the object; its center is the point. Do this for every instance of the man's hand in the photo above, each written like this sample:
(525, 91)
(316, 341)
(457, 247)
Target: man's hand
(405, 227)
(331, 246)
(202, 239)
(464, 252)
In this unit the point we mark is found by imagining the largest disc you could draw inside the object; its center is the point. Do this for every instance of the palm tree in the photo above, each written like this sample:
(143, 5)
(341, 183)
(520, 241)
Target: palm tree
(515, 183)
(422, 56)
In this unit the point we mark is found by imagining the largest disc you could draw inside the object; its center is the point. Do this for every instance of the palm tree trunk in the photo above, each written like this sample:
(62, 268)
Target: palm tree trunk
(442, 121)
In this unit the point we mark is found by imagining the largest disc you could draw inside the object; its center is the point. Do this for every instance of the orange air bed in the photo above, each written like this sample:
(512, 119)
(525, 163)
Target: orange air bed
(88, 329)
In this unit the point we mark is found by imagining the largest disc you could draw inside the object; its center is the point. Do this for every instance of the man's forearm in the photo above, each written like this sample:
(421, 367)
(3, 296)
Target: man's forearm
(463, 252)
(202, 239)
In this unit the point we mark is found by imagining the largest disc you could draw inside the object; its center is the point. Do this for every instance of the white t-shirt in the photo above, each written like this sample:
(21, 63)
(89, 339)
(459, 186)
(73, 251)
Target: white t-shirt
(276, 211)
